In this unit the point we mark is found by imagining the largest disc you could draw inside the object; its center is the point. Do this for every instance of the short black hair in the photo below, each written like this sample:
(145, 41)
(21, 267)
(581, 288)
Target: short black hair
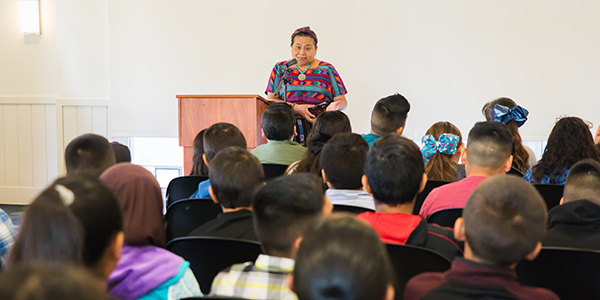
(389, 114)
(504, 219)
(278, 122)
(343, 258)
(343, 160)
(583, 182)
(122, 153)
(234, 176)
(394, 170)
(220, 136)
(489, 144)
(285, 208)
(90, 153)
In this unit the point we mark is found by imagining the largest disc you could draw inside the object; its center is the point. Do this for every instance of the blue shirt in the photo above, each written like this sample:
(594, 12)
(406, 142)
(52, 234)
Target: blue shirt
(546, 178)
(370, 138)
(7, 236)
(202, 191)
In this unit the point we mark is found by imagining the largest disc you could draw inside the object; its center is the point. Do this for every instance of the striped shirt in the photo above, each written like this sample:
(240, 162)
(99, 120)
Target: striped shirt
(7, 236)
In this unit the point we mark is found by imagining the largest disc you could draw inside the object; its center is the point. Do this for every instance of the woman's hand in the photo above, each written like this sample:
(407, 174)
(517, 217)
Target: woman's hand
(333, 106)
(302, 109)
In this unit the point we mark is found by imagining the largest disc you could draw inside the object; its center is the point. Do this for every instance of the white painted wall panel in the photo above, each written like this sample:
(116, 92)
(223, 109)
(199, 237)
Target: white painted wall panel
(84, 120)
(39, 145)
(100, 120)
(69, 124)
(25, 145)
(51, 143)
(11, 145)
(2, 146)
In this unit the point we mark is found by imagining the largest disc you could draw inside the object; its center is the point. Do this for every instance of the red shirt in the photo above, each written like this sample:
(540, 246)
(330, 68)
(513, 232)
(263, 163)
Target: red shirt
(452, 195)
(392, 228)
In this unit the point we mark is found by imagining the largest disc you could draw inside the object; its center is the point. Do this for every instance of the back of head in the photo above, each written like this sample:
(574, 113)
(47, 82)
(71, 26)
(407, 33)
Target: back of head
(278, 122)
(394, 170)
(50, 232)
(343, 160)
(343, 258)
(504, 219)
(220, 136)
(389, 114)
(199, 168)
(284, 209)
(89, 153)
(234, 176)
(122, 153)
(489, 145)
(440, 166)
(140, 198)
(48, 282)
(583, 182)
(97, 209)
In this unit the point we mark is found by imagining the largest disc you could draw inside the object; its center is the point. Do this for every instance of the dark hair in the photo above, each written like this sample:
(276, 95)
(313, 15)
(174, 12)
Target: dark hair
(50, 232)
(583, 182)
(234, 176)
(394, 170)
(343, 258)
(489, 145)
(220, 136)
(302, 34)
(278, 122)
(90, 153)
(520, 155)
(98, 211)
(569, 142)
(49, 281)
(285, 208)
(343, 160)
(122, 153)
(198, 165)
(504, 218)
(326, 125)
(389, 114)
(440, 166)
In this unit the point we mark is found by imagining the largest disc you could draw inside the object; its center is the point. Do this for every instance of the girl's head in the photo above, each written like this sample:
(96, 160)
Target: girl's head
(199, 167)
(440, 166)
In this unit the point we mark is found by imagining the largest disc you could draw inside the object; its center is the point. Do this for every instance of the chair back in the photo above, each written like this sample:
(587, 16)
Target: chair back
(408, 261)
(273, 170)
(570, 273)
(208, 256)
(429, 186)
(515, 172)
(183, 187)
(350, 209)
(185, 215)
(445, 217)
(552, 193)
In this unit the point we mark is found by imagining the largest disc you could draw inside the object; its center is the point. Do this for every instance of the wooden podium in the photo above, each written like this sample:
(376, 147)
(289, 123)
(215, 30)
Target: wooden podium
(197, 112)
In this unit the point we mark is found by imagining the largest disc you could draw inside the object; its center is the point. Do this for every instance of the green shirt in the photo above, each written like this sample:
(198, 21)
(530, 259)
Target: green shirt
(279, 152)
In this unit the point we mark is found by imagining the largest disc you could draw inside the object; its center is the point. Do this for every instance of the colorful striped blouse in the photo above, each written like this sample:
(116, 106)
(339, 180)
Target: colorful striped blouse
(322, 84)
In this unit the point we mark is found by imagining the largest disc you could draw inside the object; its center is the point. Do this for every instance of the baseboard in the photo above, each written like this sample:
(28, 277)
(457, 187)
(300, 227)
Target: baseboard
(18, 195)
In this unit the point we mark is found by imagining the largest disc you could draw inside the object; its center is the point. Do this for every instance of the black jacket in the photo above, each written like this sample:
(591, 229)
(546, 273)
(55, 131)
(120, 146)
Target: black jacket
(575, 224)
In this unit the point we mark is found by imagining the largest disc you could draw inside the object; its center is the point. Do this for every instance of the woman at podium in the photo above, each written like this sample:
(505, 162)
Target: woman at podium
(308, 84)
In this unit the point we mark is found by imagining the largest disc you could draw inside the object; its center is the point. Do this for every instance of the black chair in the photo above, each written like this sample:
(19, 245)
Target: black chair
(552, 193)
(429, 186)
(273, 170)
(183, 187)
(570, 273)
(408, 261)
(209, 256)
(445, 217)
(350, 209)
(515, 172)
(185, 215)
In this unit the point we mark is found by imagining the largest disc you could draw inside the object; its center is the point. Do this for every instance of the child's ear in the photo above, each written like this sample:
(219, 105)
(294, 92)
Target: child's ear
(390, 293)
(400, 130)
(533, 254)
(204, 159)
(290, 282)
(262, 132)
(423, 183)
(212, 195)
(459, 229)
(562, 201)
(295, 131)
(463, 156)
(508, 164)
(365, 183)
(324, 175)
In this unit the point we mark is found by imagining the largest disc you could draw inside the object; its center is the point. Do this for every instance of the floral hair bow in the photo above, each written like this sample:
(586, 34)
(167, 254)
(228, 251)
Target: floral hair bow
(446, 144)
(504, 114)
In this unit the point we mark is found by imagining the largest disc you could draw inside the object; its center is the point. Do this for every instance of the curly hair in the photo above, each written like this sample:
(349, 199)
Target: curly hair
(569, 142)
(520, 155)
(440, 166)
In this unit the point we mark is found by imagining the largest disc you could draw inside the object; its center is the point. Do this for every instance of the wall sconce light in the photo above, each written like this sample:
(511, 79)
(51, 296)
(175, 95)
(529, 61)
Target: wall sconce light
(30, 17)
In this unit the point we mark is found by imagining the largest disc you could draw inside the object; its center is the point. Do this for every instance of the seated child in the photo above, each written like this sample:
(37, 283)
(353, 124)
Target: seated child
(442, 149)
(394, 174)
(283, 210)
(343, 162)
(234, 175)
(342, 258)
(89, 153)
(502, 223)
(388, 116)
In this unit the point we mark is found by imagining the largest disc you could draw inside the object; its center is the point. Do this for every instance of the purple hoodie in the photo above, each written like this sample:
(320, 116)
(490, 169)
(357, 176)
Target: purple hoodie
(141, 269)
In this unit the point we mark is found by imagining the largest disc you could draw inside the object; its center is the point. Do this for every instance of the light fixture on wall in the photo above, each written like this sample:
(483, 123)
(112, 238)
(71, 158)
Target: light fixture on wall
(30, 17)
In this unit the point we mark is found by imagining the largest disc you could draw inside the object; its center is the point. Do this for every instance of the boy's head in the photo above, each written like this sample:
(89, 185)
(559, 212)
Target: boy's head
(285, 208)
(234, 176)
(278, 122)
(343, 258)
(503, 221)
(89, 153)
(220, 136)
(490, 146)
(122, 153)
(389, 115)
(343, 161)
(394, 170)
(583, 182)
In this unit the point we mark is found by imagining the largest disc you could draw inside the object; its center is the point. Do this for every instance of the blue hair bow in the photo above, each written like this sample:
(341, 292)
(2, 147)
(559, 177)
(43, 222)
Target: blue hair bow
(504, 114)
(447, 144)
